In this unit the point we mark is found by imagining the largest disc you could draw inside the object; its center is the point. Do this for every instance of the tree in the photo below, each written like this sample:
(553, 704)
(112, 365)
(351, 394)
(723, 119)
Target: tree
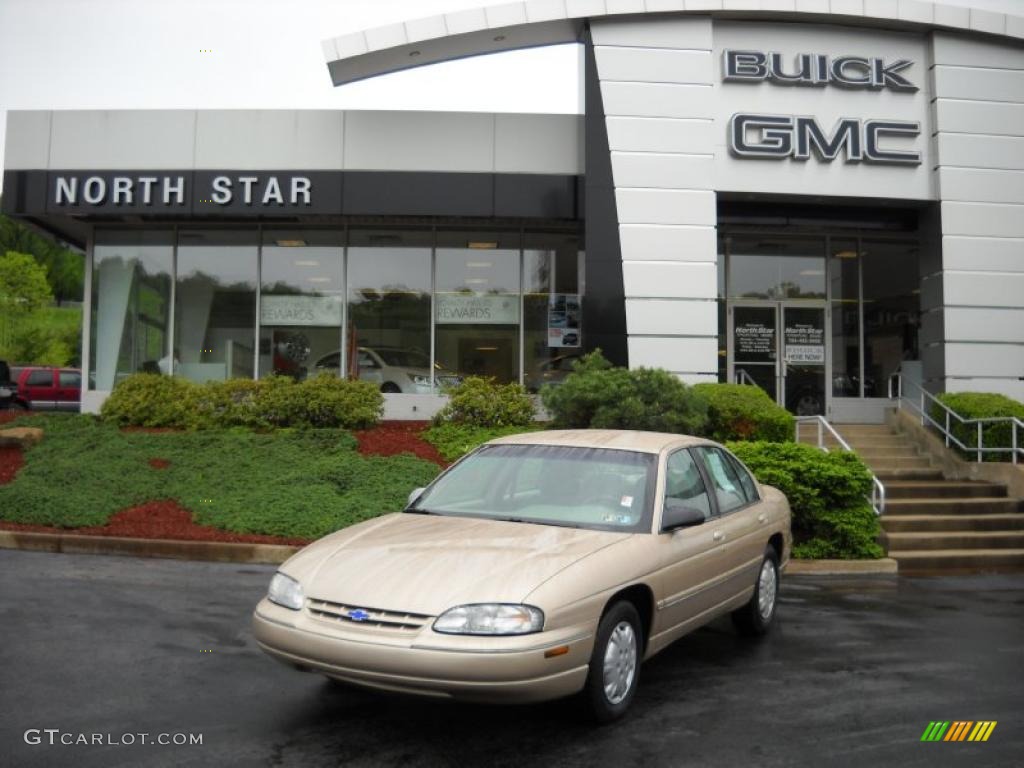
(23, 284)
(65, 269)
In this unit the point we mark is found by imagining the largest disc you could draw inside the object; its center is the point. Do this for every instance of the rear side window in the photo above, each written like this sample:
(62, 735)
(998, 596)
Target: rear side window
(70, 379)
(683, 482)
(726, 483)
(749, 486)
(39, 379)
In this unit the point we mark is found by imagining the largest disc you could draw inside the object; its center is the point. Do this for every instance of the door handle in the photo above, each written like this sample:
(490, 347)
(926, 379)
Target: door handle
(761, 519)
(718, 536)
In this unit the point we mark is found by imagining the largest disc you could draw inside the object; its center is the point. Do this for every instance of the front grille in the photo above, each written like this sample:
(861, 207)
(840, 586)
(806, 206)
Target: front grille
(375, 618)
(448, 381)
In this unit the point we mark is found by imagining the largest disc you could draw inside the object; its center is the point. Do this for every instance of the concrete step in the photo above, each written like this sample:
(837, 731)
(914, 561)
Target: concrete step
(947, 540)
(943, 489)
(873, 441)
(885, 454)
(1010, 521)
(880, 465)
(975, 506)
(895, 475)
(958, 561)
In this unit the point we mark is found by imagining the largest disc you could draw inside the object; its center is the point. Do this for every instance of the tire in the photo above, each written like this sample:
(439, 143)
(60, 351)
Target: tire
(390, 388)
(615, 663)
(756, 617)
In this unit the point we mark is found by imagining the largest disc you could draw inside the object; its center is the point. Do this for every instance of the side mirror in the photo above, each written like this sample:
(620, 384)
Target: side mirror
(416, 493)
(677, 515)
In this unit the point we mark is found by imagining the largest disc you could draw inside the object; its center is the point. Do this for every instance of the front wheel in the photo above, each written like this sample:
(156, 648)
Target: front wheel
(755, 618)
(614, 663)
(390, 388)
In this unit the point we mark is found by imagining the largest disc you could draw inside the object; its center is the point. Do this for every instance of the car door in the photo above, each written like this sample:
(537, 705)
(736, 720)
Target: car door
(688, 578)
(742, 523)
(69, 390)
(369, 367)
(39, 388)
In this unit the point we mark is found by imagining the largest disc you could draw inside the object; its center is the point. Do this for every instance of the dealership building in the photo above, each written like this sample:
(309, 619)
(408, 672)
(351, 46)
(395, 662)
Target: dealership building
(806, 195)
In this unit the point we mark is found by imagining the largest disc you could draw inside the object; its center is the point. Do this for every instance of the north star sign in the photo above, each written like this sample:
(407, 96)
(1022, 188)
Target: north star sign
(95, 190)
(775, 137)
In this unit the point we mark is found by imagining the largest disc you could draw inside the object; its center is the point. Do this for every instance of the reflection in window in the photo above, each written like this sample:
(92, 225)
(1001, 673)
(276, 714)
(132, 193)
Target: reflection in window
(301, 303)
(389, 309)
(729, 491)
(477, 304)
(891, 310)
(215, 313)
(552, 307)
(844, 275)
(131, 295)
(776, 268)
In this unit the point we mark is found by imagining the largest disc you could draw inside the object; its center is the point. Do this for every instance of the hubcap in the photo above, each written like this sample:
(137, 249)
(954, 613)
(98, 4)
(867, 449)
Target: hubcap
(619, 662)
(767, 584)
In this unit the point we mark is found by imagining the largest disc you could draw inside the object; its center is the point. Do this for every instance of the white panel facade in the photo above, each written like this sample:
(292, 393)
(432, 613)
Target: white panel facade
(422, 141)
(979, 108)
(247, 139)
(122, 140)
(538, 144)
(28, 140)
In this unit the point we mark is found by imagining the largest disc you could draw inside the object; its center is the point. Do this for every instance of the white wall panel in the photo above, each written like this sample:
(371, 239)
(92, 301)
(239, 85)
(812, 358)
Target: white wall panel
(538, 144)
(692, 355)
(419, 141)
(653, 134)
(665, 206)
(985, 219)
(667, 171)
(984, 324)
(981, 84)
(246, 139)
(653, 65)
(992, 360)
(980, 151)
(674, 317)
(1010, 386)
(998, 254)
(986, 117)
(28, 140)
(115, 140)
(970, 51)
(983, 289)
(657, 99)
(673, 280)
(981, 185)
(659, 242)
(694, 34)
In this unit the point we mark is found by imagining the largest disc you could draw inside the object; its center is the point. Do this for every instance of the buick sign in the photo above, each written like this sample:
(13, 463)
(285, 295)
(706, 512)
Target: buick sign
(818, 69)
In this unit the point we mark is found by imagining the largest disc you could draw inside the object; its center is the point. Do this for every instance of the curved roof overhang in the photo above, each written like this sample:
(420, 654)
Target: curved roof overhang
(513, 26)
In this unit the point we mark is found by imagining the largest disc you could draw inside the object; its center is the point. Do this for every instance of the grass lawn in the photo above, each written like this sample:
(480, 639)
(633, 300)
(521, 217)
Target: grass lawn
(291, 483)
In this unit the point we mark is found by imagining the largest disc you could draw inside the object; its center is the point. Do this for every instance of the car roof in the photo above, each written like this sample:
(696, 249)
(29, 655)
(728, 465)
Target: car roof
(618, 439)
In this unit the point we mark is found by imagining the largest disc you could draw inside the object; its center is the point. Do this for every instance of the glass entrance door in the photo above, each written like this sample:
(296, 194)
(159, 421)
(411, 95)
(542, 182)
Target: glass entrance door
(780, 347)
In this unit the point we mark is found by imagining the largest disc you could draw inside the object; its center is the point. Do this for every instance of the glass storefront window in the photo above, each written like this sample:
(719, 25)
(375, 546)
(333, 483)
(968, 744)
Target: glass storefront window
(552, 307)
(891, 310)
(389, 310)
(844, 279)
(301, 303)
(776, 268)
(215, 310)
(131, 301)
(477, 303)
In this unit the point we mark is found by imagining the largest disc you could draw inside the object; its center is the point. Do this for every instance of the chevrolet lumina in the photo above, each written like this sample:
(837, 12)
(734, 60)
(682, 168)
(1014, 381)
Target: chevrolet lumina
(539, 566)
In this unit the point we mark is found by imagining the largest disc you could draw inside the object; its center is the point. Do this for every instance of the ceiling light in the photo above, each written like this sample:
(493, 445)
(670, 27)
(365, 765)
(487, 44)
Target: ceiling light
(481, 245)
(486, 349)
(479, 264)
(319, 279)
(414, 53)
(812, 272)
(476, 281)
(846, 255)
(306, 263)
(499, 38)
(295, 243)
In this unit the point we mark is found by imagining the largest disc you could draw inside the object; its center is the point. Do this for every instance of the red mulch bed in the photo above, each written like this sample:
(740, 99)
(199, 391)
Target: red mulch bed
(158, 520)
(159, 463)
(390, 438)
(7, 416)
(11, 461)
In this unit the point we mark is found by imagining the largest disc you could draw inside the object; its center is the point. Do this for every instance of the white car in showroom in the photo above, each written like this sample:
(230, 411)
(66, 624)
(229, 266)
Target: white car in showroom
(394, 369)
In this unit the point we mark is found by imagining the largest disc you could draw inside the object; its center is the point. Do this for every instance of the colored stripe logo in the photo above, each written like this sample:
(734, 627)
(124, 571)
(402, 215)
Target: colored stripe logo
(959, 730)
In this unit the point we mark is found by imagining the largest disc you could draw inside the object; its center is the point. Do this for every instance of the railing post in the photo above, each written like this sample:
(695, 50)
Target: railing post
(947, 429)
(979, 442)
(821, 436)
(1013, 442)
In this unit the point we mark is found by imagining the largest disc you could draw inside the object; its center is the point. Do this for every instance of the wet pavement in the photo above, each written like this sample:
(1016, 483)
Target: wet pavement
(853, 673)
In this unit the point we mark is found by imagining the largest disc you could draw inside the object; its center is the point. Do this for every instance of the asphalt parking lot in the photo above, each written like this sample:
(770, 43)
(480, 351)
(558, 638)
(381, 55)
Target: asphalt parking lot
(852, 675)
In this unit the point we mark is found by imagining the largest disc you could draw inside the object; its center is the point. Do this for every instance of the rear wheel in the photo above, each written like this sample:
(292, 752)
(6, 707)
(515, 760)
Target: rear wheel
(755, 618)
(389, 387)
(614, 663)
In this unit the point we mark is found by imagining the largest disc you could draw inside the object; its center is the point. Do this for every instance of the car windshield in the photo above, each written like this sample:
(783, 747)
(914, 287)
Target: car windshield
(401, 358)
(594, 488)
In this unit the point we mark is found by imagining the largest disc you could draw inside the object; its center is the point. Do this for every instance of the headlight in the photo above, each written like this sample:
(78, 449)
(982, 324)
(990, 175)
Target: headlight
(490, 619)
(419, 381)
(285, 591)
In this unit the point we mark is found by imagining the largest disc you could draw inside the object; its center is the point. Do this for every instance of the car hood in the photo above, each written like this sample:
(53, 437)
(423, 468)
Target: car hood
(428, 564)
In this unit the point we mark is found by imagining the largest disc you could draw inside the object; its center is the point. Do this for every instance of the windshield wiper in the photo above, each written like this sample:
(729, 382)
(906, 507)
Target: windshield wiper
(535, 522)
(418, 511)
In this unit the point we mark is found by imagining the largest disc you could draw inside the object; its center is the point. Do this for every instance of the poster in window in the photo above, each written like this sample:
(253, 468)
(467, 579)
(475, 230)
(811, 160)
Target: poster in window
(564, 320)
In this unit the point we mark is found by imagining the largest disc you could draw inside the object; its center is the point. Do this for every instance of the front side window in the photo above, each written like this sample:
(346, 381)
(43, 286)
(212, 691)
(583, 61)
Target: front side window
(70, 379)
(39, 379)
(592, 488)
(726, 483)
(684, 483)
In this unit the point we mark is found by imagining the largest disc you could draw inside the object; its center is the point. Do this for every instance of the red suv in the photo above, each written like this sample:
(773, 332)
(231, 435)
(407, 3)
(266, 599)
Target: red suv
(47, 389)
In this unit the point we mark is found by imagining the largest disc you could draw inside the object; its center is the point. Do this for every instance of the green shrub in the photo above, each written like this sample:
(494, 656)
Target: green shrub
(982, 405)
(598, 395)
(480, 402)
(743, 412)
(152, 400)
(826, 492)
(456, 440)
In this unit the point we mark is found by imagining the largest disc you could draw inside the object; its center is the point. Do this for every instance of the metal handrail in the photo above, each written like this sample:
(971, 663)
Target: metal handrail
(877, 497)
(742, 377)
(945, 427)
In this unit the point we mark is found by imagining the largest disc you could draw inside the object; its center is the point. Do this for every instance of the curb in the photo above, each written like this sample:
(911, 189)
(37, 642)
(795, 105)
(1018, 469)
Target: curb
(214, 551)
(885, 566)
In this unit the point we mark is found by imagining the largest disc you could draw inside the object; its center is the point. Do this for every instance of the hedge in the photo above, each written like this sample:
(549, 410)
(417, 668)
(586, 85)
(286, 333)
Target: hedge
(744, 412)
(325, 401)
(480, 402)
(826, 492)
(982, 405)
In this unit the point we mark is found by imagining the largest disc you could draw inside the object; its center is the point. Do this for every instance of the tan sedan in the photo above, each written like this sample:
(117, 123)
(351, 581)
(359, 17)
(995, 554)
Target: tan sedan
(539, 566)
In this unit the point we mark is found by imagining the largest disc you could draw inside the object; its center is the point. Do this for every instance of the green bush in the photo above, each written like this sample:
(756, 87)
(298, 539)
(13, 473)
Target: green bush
(743, 412)
(296, 483)
(152, 400)
(480, 402)
(826, 492)
(601, 396)
(982, 405)
(456, 440)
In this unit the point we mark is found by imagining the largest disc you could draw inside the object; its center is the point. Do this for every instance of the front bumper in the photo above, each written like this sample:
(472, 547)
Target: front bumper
(486, 669)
